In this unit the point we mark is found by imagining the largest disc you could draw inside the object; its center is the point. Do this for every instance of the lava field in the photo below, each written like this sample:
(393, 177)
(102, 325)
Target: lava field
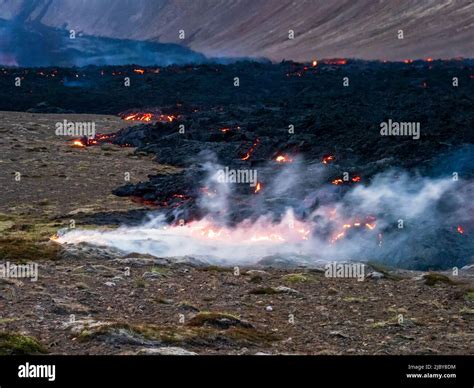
(311, 131)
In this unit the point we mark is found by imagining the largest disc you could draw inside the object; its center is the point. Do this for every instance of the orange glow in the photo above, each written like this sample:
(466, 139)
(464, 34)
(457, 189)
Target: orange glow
(460, 229)
(258, 187)
(78, 143)
(408, 61)
(314, 63)
(429, 59)
(251, 150)
(335, 61)
(328, 158)
(356, 178)
(139, 71)
(370, 226)
(139, 117)
(283, 159)
(337, 182)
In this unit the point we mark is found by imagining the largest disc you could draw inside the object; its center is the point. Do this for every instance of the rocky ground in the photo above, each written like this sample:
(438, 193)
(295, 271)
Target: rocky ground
(97, 301)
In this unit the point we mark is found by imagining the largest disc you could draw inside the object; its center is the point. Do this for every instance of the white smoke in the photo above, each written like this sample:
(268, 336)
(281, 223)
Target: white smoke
(361, 224)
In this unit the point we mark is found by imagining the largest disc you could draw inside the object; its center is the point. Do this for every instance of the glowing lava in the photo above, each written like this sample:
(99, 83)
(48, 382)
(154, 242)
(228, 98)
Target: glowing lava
(78, 143)
(139, 117)
(147, 117)
(283, 159)
(328, 158)
(251, 150)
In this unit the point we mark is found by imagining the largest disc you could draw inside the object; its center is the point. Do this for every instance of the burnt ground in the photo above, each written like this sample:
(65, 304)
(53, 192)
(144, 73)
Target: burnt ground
(84, 301)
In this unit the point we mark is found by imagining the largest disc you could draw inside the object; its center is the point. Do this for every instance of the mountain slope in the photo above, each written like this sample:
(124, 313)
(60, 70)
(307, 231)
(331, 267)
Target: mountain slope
(340, 28)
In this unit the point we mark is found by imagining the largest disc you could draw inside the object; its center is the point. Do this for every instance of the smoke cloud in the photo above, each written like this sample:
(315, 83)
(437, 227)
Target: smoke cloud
(398, 218)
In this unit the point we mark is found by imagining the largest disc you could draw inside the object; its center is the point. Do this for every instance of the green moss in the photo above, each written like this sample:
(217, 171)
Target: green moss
(5, 217)
(140, 283)
(295, 278)
(4, 321)
(216, 319)
(386, 271)
(263, 291)
(160, 270)
(251, 335)
(469, 296)
(16, 249)
(434, 278)
(18, 344)
(183, 335)
(466, 311)
(5, 225)
(256, 279)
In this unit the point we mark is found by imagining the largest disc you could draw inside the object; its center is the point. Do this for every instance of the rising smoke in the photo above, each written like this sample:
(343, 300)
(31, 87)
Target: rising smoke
(398, 218)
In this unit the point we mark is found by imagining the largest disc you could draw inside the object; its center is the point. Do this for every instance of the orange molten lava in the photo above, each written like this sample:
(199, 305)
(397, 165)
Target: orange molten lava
(369, 224)
(78, 143)
(356, 178)
(283, 159)
(314, 63)
(139, 71)
(258, 187)
(251, 150)
(139, 117)
(338, 181)
(460, 229)
(336, 61)
(328, 158)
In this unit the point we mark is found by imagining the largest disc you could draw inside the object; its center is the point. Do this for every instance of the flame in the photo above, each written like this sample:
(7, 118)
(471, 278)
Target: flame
(139, 117)
(139, 71)
(314, 63)
(78, 143)
(460, 229)
(251, 150)
(258, 187)
(288, 230)
(147, 116)
(340, 181)
(328, 158)
(283, 159)
(369, 224)
(408, 61)
(429, 59)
